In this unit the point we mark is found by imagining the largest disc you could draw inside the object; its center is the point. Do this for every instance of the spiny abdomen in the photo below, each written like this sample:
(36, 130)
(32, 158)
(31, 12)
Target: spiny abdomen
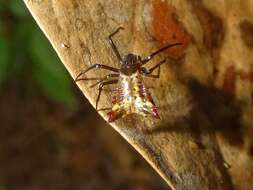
(132, 97)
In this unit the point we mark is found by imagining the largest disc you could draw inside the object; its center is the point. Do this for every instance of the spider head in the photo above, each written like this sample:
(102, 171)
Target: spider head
(130, 64)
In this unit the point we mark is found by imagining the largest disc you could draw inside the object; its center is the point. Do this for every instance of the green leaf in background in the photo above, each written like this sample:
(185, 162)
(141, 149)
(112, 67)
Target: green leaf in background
(2, 5)
(1, 10)
(18, 8)
(23, 32)
(21, 37)
(49, 71)
(4, 59)
(1, 25)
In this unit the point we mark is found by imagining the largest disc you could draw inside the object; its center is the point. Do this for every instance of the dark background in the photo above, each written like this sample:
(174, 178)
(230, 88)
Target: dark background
(50, 136)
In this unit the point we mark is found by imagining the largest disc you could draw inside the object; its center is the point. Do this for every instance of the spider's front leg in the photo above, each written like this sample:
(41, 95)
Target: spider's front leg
(148, 72)
(152, 55)
(114, 48)
(95, 66)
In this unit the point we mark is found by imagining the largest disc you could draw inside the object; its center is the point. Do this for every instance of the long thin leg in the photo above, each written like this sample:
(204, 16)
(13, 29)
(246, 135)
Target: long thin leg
(104, 78)
(101, 85)
(100, 79)
(148, 72)
(96, 66)
(104, 109)
(152, 55)
(114, 48)
(91, 78)
(156, 75)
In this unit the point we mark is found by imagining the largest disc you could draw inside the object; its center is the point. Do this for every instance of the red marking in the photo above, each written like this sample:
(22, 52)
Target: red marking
(247, 76)
(229, 80)
(113, 115)
(143, 92)
(155, 112)
(166, 29)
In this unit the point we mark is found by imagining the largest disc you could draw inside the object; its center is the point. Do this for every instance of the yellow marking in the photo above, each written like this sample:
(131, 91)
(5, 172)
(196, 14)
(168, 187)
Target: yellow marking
(131, 101)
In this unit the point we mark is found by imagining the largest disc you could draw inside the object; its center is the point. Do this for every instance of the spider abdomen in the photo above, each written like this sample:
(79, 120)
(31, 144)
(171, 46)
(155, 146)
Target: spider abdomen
(132, 96)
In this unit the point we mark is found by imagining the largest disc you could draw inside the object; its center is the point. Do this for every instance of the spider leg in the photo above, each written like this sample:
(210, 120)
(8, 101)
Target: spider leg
(152, 55)
(148, 72)
(104, 78)
(114, 48)
(101, 85)
(92, 78)
(104, 109)
(96, 66)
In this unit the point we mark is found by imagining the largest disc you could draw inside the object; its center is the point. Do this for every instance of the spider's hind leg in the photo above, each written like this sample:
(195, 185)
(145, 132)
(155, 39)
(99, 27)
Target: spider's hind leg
(101, 86)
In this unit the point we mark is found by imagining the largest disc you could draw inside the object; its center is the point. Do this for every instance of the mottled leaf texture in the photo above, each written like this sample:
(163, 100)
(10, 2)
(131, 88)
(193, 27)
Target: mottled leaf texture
(204, 138)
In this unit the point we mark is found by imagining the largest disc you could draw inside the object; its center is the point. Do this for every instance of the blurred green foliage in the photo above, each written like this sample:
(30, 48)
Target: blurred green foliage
(23, 45)
(4, 58)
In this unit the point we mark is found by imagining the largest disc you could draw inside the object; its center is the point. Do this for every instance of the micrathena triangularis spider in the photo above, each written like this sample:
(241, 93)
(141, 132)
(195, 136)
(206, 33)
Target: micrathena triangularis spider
(131, 95)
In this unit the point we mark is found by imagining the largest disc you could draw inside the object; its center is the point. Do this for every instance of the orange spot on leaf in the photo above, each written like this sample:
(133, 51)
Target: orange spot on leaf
(247, 76)
(166, 29)
(229, 80)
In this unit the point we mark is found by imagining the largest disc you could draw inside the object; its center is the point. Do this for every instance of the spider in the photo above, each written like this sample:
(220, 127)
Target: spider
(130, 95)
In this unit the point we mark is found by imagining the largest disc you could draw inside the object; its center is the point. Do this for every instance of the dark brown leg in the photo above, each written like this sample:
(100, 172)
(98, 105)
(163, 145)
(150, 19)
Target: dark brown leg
(96, 66)
(104, 78)
(100, 79)
(114, 48)
(92, 78)
(148, 72)
(152, 55)
(104, 109)
(101, 85)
